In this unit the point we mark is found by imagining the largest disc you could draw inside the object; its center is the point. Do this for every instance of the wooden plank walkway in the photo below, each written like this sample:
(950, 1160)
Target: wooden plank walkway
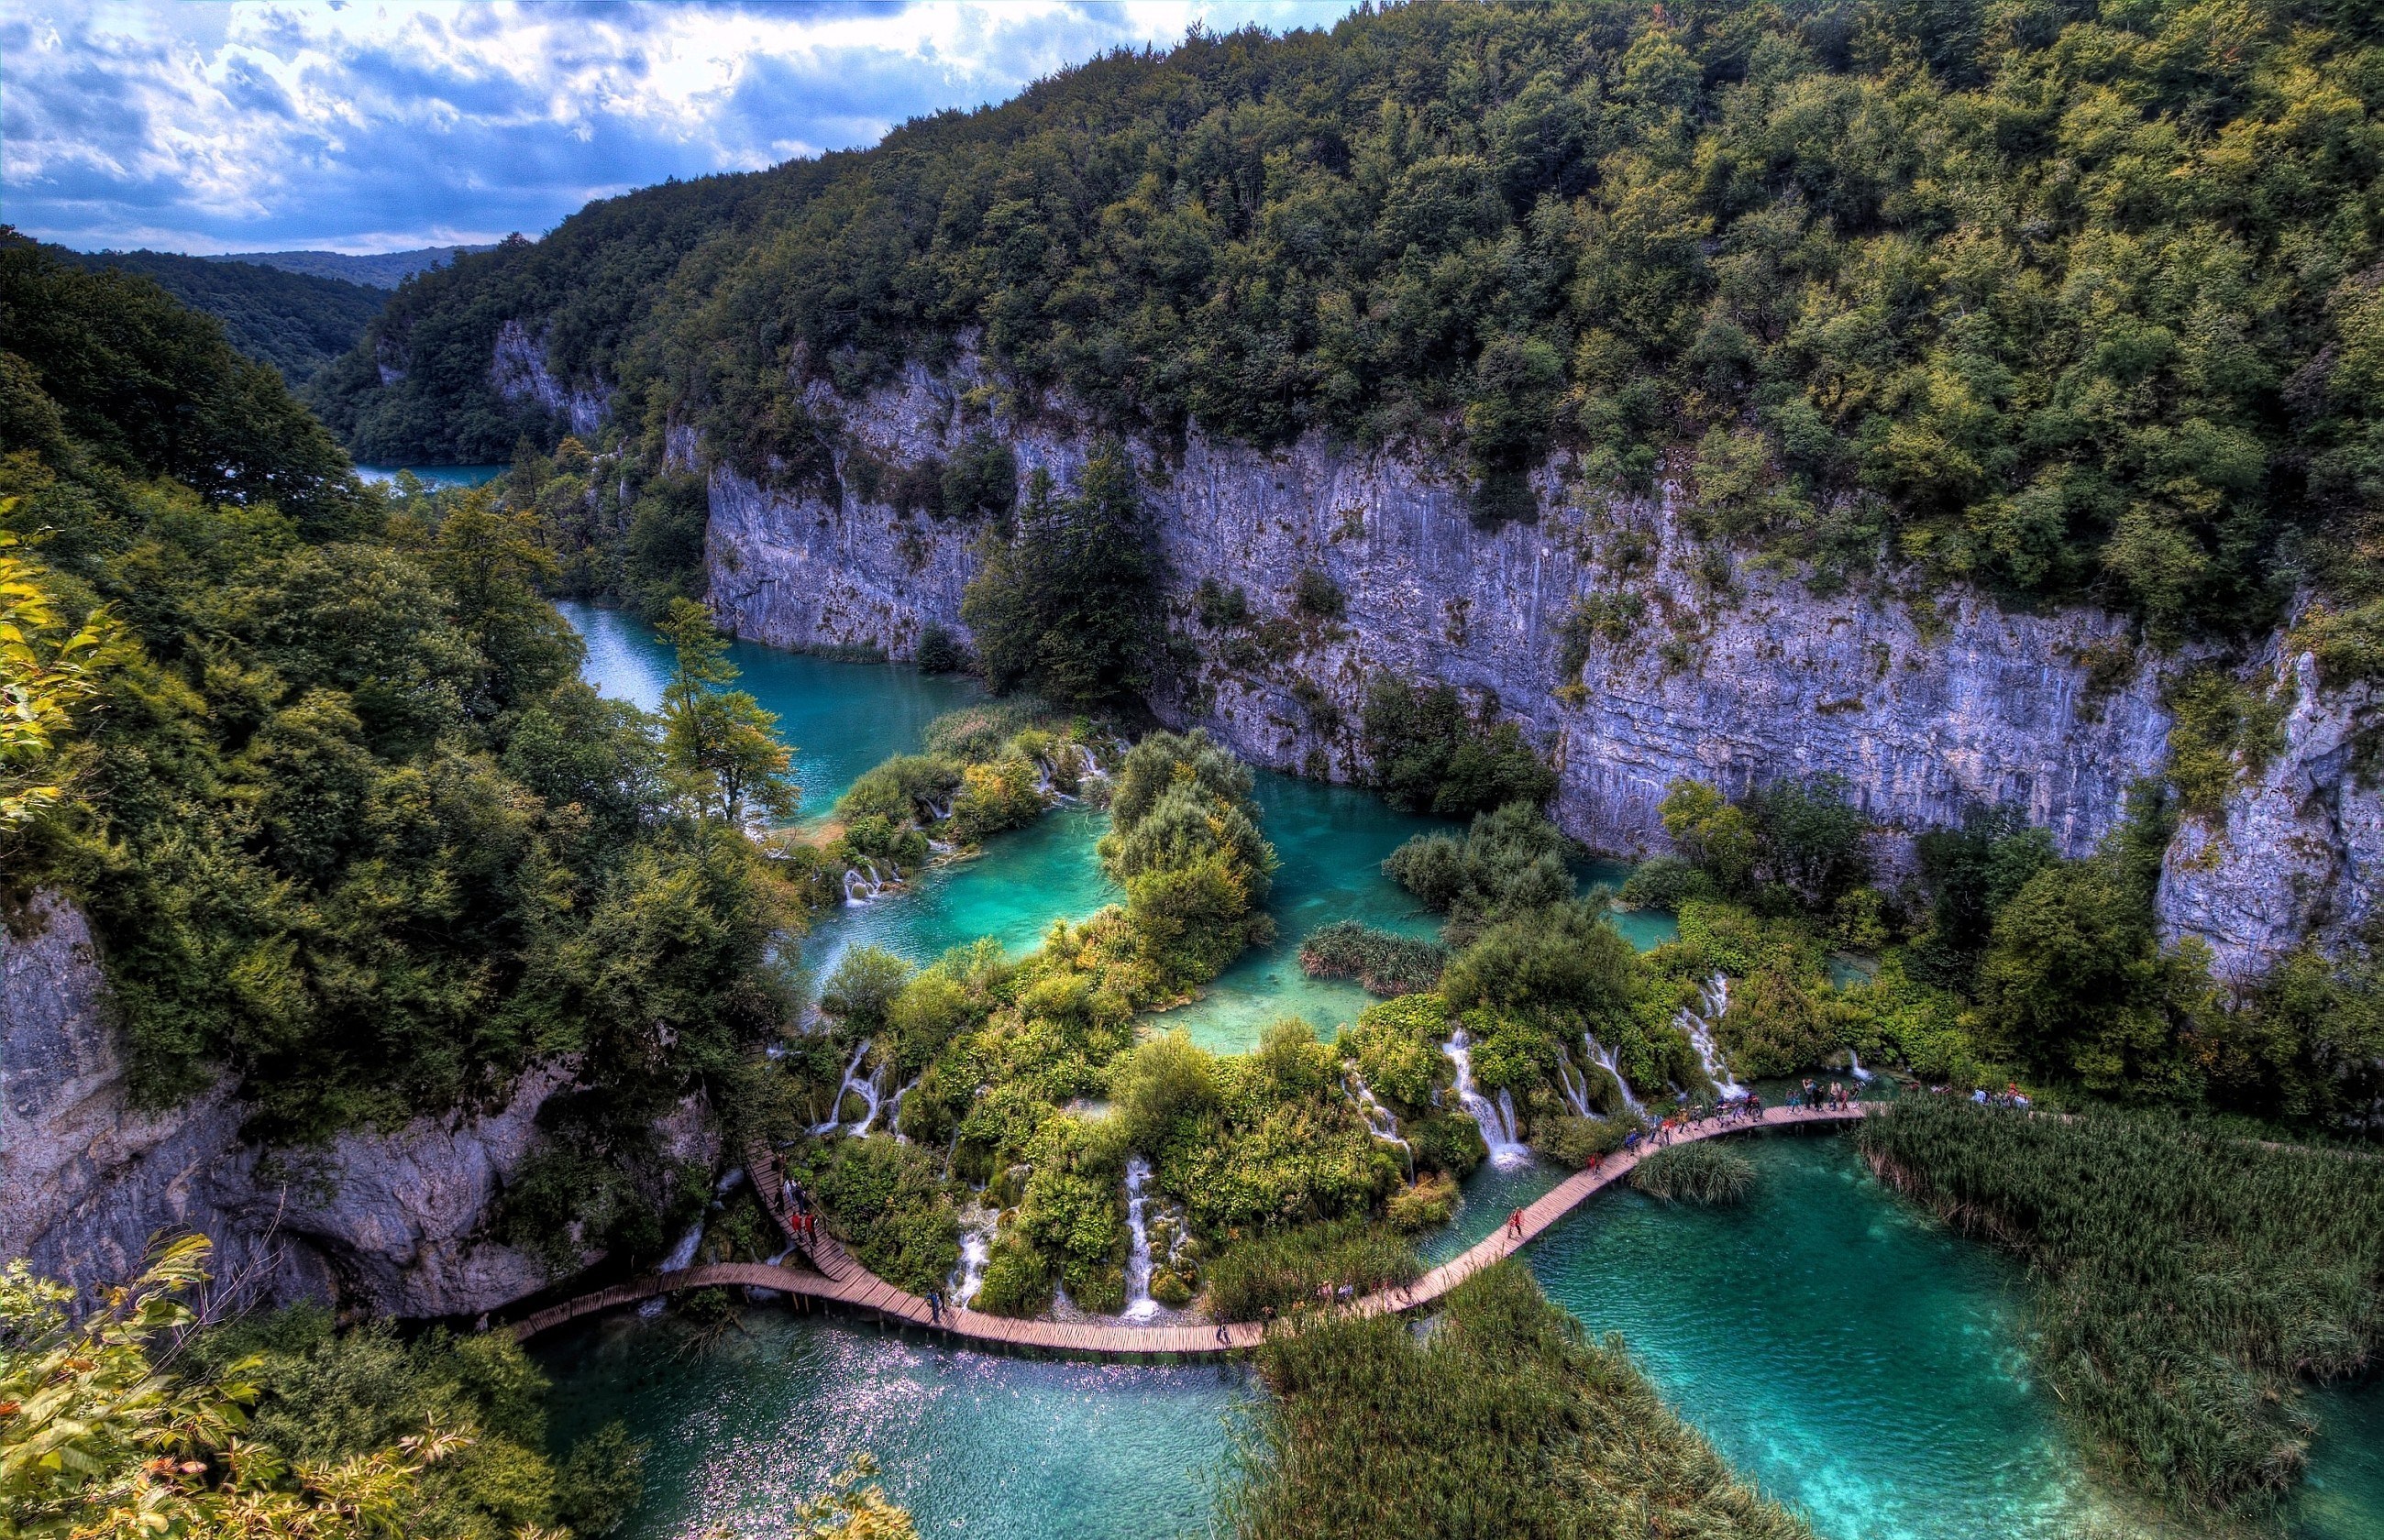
(835, 1276)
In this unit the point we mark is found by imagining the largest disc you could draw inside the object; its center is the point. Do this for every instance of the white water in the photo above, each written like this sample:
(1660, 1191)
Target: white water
(977, 1225)
(865, 1089)
(1603, 1057)
(1714, 999)
(1574, 1083)
(1381, 1121)
(1496, 1120)
(1139, 1305)
(1857, 1070)
(894, 1109)
(680, 1256)
(860, 887)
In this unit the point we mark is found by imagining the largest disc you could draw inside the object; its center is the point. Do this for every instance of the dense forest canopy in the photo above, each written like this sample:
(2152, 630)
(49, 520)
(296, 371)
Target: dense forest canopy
(345, 821)
(296, 322)
(2066, 298)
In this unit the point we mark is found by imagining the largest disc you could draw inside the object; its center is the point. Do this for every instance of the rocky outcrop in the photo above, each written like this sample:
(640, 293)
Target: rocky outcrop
(518, 372)
(394, 1223)
(1691, 662)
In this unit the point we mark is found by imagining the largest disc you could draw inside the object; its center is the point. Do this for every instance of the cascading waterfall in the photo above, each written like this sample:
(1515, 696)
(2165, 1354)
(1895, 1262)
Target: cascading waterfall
(865, 1089)
(977, 1226)
(1496, 1120)
(1603, 1057)
(894, 1109)
(1855, 1067)
(680, 1256)
(1714, 999)
(860, 887)
(1381, 1121)
(1139, 1305)
(1574, 1083)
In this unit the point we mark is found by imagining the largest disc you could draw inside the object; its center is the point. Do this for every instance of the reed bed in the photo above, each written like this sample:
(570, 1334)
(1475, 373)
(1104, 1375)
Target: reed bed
(2190, 1283)
(1701, 1172)
(1281, 1271)
(1383, 964)
(1503, 1420)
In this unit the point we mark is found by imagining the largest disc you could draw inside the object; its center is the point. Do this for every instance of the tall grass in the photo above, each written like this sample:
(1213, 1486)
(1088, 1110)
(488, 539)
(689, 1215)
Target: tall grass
(1281, 1270)
(1504, 1420)
(1700, 1173)
(2189, 1284)
(1382, 962)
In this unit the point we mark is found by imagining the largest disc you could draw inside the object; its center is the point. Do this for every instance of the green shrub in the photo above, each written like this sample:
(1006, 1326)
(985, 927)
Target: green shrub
(1282, 1270)
(1447, 1142)
(1374, 1429)
(1512, 860)
(1706, 1171)
(1426, 1203)
(1381, 961)
(1431, 755)
(1064, 604)
(1397, 1045)
(1017, 1282)
(1315, 595)
(1575, 1141)
(887, 1201)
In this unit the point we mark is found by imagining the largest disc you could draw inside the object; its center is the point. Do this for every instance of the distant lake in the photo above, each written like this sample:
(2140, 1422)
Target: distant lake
(434, 476)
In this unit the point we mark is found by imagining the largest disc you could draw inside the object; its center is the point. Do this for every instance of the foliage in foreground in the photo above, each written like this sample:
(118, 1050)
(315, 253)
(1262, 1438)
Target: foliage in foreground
(1279, 1272)
(2191, 1282)
(1381, 961)
(125, 1425)
(1504, 1420)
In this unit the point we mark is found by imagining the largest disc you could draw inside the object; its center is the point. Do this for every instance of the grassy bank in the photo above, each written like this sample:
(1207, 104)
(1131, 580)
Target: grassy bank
(2191, 1283)
(1506, 1420)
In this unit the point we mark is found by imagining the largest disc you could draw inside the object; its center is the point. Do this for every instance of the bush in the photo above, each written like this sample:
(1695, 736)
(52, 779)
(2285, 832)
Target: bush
(1575, 1141)
(1017, 1282)
(1382, 962)
(1512, 859)
(1281, 1270)
(940, 652)
(1447, 1142)
(1316, 596)
(1397, 1046)
(1664, 882)
(1706, 1171)
(1066, 603)
(1427, 1203)
(887, 1201)
(1431, 755)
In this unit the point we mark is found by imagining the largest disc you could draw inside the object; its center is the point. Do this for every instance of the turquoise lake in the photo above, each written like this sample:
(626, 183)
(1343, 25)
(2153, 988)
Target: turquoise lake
(1849, 1356)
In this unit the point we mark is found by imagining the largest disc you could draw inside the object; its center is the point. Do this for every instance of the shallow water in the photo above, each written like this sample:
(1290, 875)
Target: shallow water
(1845, 1352)
(441, 477)
(971, 1443)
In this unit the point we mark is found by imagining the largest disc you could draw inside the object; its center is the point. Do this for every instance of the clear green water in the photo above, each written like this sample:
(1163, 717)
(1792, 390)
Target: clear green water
(1850, 1357)
(437, 476)
(738, 1432)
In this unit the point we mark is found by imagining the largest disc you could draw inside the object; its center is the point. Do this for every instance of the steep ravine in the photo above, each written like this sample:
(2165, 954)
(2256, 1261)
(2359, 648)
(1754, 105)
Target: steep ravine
(1927, 709)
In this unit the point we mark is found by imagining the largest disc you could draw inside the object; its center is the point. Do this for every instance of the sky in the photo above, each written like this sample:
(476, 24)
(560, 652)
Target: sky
(201, 126)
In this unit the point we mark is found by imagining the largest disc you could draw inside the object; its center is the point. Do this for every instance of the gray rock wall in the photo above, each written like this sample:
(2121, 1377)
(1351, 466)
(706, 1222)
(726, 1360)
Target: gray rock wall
(519, 372)
(391, 1223)
(1927, 710)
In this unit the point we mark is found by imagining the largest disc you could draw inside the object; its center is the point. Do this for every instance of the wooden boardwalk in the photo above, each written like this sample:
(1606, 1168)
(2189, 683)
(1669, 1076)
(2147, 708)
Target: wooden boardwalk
(835, 1276)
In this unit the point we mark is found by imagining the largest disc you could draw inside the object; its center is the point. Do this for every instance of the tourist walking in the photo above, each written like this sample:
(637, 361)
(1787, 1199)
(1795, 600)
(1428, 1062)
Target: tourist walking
(1515, 1225)
(1222, 1339)
(935, 1306)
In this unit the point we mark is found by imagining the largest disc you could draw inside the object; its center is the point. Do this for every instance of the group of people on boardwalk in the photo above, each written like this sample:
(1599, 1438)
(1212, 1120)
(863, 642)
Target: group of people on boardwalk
(1835, 1096)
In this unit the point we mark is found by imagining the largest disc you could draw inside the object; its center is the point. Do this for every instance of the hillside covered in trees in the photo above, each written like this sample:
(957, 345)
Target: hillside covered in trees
(297, 322)
(2069, 299)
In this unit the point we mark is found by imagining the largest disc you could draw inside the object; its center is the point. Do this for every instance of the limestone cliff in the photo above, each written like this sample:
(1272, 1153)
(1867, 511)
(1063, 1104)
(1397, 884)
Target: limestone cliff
(519, 373)
(1727, 672)
(391, 1223)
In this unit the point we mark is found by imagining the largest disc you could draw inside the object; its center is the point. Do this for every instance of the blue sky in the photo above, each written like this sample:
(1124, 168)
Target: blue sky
(364, 127)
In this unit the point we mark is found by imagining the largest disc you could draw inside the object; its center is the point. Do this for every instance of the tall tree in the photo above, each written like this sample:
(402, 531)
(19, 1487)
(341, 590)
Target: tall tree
(719, 740)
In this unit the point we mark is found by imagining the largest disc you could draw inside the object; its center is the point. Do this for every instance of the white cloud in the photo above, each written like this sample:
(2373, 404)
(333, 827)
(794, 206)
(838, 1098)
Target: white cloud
(372, 126)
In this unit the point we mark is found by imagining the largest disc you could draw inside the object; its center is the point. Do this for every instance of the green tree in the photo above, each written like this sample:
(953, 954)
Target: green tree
(720, 740)
(1065, 602)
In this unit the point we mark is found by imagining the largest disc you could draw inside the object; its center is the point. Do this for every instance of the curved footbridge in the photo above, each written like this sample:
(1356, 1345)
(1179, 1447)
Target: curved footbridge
(835, 1276)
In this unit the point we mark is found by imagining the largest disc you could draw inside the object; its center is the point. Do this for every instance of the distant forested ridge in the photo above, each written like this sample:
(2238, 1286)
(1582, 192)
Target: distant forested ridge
(295, 322)
(2069, 298)
(374, 271)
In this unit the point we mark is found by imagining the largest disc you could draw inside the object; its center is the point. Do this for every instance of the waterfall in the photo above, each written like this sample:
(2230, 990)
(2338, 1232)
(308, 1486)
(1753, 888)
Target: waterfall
(1496, 1120)
(873, 1091)
(977, 1226)
(1603, 1057)
(1381, 1121)
(860, 888)
(936, 815)
(1092, 767)
(894, 1108)
(1856, 1071)
(866, 1091)
(680, 1256)
(1714, 999)
(1139, 1305)
(1574, 1083)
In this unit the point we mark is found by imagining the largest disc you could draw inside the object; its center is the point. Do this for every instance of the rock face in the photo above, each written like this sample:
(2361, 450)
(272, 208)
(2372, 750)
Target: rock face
(519, 372)
(1691, 662)
(391, 1222)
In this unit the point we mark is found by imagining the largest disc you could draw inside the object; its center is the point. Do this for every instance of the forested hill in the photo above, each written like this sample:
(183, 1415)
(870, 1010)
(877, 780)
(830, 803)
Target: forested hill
(2065, 298)
(293, 321)
(374, 271)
